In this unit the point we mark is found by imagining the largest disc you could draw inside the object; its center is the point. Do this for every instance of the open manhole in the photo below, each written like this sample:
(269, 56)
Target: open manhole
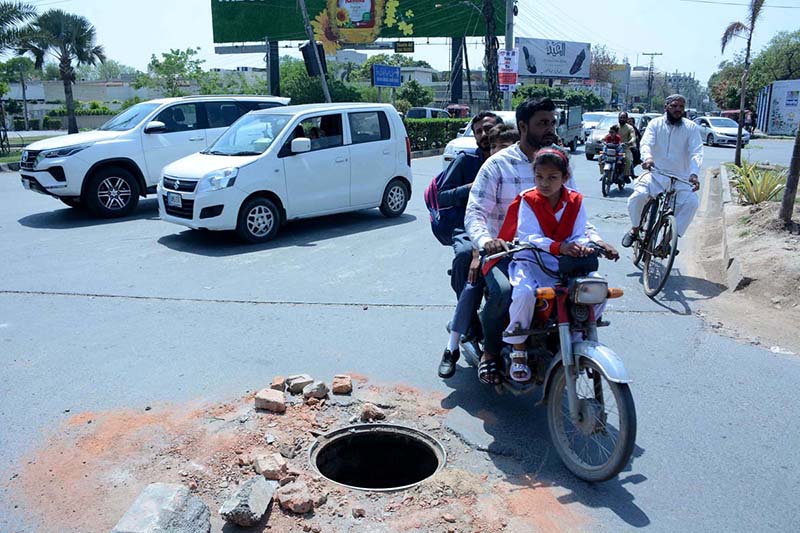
(377, 457)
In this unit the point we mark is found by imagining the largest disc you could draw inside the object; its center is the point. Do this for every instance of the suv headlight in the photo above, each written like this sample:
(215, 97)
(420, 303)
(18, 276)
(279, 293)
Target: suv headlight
(219, 179)
(449, 150)
(61, 152)
(589, 290)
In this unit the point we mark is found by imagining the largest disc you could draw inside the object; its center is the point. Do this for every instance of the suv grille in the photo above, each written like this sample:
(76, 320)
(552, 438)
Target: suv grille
(185, 211)
(181, 185)
(29, 159)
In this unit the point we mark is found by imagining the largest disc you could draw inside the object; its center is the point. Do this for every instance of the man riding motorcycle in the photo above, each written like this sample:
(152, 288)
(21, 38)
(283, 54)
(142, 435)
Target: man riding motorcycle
(628, 135)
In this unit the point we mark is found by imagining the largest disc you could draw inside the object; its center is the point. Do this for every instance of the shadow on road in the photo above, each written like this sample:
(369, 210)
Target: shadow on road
(71, 218)
(519, 446)
(300, 233)
(680, 291)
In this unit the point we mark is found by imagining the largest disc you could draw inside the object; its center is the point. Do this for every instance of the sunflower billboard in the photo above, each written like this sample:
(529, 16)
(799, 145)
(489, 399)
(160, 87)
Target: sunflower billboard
(338, 23)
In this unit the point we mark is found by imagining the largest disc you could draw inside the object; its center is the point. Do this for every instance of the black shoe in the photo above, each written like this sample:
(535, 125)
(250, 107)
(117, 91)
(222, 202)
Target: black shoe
(629, 238)
(448, 365)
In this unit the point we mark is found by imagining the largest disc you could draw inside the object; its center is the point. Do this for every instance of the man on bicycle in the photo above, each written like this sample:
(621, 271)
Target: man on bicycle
(672, 143)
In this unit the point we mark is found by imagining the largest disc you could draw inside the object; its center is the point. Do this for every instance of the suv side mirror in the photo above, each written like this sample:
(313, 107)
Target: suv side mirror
(300, 145)
(155, 126)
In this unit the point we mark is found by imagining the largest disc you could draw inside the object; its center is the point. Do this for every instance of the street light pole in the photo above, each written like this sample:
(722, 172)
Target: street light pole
(509, 46)
(24, 98)
(313, 43)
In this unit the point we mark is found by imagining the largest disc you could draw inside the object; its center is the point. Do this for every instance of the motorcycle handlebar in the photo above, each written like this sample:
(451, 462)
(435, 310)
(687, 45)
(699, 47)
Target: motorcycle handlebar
(520, 246)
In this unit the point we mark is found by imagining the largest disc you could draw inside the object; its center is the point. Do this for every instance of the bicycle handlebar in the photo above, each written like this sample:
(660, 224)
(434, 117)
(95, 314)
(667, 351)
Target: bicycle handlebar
(670, 176)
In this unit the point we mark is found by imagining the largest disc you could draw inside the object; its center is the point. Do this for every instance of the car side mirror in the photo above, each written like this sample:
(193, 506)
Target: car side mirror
(155, 126)
(301, 145)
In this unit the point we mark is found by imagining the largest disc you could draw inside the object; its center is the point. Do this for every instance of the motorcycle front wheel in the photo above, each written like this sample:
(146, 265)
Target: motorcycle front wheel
(600, 445)
(606, 182)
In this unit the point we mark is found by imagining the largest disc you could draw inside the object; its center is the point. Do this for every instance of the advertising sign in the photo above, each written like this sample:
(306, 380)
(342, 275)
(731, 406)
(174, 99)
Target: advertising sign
(337, 23)
(404, 47)
(546, 58)
(385, 76)
(507, 63)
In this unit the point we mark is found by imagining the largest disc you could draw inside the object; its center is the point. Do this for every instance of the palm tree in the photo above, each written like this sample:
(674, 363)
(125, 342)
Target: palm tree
(12, 14)
(738, 29)
(69, 38)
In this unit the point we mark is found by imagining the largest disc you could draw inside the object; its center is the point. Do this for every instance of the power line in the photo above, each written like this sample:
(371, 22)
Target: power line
(718, 3)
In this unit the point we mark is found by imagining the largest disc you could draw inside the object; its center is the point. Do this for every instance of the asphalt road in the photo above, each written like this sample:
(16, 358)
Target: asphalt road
(100, 315)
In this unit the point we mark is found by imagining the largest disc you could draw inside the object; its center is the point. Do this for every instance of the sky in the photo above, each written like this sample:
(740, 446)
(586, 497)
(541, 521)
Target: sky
(687, 33)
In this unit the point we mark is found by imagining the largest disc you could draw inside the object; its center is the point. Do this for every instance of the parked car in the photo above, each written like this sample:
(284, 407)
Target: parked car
(589, 122)
(108, 169)
(720, 130)
(427, 112)
(466, 140)
(294, 162)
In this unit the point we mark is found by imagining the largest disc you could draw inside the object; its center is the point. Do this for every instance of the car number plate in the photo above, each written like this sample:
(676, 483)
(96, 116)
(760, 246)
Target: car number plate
(174, 200)
(26, 184)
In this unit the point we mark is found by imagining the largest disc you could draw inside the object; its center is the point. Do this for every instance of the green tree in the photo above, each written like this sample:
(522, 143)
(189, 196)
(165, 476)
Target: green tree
(779, 60)
(169, 73)
(51, 72)
(106, 71)
(738, 29)
(11, 69)
(588, 100)
(724, 85)
(70, 38)
(603, 60)
(364, 73)
(12, 16)
(414, 93)
(296, 84)
(402, 106)
(525, 92)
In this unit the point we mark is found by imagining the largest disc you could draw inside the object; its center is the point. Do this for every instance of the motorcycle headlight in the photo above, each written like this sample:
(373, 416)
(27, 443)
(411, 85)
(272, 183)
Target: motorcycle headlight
(219, 179)
(61, 152)
(589, 290)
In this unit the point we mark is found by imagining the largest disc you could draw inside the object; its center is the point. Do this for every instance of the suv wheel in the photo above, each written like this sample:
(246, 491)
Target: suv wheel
(395, 199)
(112, 192)
(258, 221)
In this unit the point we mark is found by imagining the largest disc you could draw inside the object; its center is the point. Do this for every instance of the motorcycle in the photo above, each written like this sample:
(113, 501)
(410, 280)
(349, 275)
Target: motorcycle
(612, 161)
(591, 415)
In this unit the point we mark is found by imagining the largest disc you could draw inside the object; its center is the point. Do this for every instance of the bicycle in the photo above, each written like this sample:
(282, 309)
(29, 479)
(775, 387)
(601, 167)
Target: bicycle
(658, 244)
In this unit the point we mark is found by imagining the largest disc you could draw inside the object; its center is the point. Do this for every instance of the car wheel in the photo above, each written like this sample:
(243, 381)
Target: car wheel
(710, 139)
(573, 145)
(589, 156)
(112, 192)
(395, 199)
(259, 219)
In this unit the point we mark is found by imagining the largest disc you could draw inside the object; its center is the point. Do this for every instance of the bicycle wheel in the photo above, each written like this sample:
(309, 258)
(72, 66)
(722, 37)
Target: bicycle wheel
(646, 223)
(600, 445)
(660, 255)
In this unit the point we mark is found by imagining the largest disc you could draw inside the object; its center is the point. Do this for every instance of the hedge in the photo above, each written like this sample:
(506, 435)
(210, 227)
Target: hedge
(430, 133)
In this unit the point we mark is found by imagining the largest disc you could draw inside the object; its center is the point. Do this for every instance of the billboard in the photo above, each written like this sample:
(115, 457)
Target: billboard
(507, 65)
(547, 58)
(385, 76)
(337, 23)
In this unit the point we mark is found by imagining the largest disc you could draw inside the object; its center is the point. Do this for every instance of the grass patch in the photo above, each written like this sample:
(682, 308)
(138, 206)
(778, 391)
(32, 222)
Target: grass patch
(12, 157)
(756, 183)
(745, 233)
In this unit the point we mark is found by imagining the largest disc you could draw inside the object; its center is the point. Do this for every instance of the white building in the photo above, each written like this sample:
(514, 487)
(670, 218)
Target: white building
(421, 74)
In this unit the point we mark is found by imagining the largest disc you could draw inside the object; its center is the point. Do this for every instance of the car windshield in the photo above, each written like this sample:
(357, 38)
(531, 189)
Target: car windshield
(723, 123)
(250, 135)
(593, 117)
(130, 118)
(607, 122)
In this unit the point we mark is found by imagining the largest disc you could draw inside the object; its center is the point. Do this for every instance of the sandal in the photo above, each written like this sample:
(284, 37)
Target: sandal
(520, 371)
(488, 372)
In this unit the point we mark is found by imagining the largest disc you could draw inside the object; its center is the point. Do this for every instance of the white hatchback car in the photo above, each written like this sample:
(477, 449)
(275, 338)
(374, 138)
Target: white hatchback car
(292, 162)
(108, 169)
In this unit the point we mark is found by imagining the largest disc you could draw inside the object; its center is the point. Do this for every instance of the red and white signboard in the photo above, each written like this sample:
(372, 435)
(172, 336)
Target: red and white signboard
(507, 69)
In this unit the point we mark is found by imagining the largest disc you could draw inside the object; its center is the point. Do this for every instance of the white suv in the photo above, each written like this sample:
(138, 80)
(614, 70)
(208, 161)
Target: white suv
(292, 162)
(108, 169)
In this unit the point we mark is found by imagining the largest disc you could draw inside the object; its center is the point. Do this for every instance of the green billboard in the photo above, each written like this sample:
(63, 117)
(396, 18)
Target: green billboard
(337, 23)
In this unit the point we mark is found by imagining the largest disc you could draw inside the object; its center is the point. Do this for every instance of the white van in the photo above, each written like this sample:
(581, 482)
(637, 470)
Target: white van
(291, 162)
(108, 169)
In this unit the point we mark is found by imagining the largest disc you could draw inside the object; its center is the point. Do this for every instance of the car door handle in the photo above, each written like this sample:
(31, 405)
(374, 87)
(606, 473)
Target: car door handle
(196, 138)
(386, 152)
(341, 159)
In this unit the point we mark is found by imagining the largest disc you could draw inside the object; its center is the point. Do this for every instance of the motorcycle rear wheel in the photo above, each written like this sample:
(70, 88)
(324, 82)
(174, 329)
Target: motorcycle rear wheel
(578, 446)
(606, 183)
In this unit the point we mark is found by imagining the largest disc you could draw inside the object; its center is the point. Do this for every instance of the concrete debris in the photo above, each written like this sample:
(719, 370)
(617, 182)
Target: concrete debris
(272, 466)
(370, 412)
(342, 384)
(278, 383)
(359, 512)
(249, 503)
(295, 384)
(271, 400)
(317, 389)
(295, 497)
(165, 507)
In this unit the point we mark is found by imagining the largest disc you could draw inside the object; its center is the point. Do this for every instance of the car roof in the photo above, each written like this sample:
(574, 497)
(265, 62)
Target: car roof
(233, 97)
(306, 108)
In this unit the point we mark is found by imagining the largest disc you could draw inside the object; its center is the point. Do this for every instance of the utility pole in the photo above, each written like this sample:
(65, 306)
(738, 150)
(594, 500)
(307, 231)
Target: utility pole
(469, 74)
(490, 56)
(650, 79)
(24, 98)
(313, 43)
(509, 46)
(266, 62)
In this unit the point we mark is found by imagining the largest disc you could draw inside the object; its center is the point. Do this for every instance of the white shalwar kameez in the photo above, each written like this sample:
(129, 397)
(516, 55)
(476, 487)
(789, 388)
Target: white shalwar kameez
(524, 272)
(676, 149)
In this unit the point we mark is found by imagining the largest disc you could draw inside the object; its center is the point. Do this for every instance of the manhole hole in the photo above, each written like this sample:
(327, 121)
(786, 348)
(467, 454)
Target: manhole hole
(377, 457)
